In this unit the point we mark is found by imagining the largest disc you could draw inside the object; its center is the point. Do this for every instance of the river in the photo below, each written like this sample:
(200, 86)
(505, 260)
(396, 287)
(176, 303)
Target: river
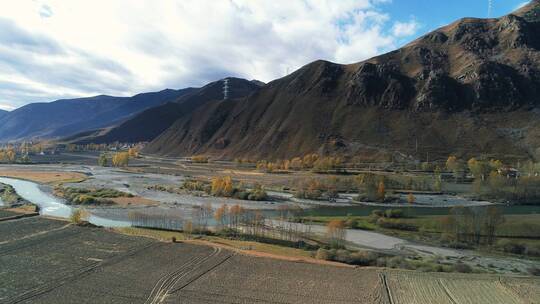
(50, 205)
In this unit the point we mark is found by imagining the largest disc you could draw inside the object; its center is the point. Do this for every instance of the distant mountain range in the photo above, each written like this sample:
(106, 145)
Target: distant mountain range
(70, 116)
(468, 88)
(150, 123)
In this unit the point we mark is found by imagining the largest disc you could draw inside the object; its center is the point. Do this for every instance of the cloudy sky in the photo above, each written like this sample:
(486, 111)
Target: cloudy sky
(51, 49)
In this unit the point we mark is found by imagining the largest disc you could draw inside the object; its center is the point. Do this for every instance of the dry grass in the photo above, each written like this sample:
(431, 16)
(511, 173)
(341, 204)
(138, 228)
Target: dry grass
(46, 177)
(24, 209)
(243, 247)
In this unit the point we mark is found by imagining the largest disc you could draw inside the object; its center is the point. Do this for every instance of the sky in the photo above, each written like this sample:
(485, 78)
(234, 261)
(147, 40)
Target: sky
(53, 49)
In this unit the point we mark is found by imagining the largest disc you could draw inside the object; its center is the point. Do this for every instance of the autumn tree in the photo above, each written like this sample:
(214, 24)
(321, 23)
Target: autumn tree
(410, 198)
(456, 166)
(120, 159)
(336, 233)
(479, 168)
(221, 214)
(222, 186)
(381, 192)
(133, 152)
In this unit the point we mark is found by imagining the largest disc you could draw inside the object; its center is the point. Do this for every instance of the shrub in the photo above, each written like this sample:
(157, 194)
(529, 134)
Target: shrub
(364, 258)
(201, 159)
(397, 262)
(394, 213)
(257, 195)
(535, 271)
(193, 185)
(76, 216)
(463, 268)
(512, 247)
(391, 224)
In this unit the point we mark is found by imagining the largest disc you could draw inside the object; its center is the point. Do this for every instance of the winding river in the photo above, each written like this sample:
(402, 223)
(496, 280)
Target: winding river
(50, 205)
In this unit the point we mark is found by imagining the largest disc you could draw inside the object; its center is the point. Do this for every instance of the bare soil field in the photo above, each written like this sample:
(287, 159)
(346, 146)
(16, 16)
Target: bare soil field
(46, 177)
(413, 288)
(243, 279)
(49, 261)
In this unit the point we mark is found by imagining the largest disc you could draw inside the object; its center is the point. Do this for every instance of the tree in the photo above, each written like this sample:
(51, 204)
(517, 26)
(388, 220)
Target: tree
(25, 159)
(410, 198)
(102, 160)
(493, 219)
(456, 166)
(451, 162)
(479, 168)
(120, 159)
(381, 192)
(496, 182)
(133, 152)
(296, 163)
(221, 214)
(222, 186)
(11, 155)
(336, 233)
(77, 216)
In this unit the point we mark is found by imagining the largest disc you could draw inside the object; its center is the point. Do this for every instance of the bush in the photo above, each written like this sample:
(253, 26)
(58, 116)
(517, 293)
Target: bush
(76, 216)
(391, 224)
(361, 258)
(193, 185)
(512, 247)
(535, 271)
(463, 268)
(397, 262)
(394, 213)
(201, 159)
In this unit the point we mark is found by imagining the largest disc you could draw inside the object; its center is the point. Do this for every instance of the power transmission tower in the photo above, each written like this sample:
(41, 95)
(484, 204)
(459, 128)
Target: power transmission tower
(226, 88)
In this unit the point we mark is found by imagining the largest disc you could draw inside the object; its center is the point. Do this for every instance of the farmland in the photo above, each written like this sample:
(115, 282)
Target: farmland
(415, 288)
(49, 261)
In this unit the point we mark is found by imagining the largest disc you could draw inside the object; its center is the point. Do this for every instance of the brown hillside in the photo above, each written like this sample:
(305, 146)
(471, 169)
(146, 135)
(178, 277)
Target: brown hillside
(470, 88)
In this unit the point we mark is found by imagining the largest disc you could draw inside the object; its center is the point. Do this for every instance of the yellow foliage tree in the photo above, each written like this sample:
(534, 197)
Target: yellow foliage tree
(381, 192)
(120, 159)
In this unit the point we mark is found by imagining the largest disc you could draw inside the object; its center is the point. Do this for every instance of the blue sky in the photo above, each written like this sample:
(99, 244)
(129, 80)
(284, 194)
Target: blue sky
(432, 14)
(52, 49)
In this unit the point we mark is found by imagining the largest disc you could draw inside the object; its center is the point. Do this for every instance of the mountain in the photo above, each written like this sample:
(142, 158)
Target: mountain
(150, 123)
(3, 113)
(468, 88)
(69, 116)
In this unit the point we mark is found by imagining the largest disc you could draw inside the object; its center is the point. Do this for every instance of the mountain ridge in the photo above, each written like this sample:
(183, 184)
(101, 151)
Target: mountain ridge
(148, 124)
(69, 116)
(435, 95)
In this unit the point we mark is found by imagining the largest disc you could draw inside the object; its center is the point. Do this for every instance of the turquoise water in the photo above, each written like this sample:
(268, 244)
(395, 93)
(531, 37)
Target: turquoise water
(411, 211)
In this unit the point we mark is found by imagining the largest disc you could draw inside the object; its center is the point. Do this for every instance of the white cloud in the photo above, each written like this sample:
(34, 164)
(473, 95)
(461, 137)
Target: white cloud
(404, 29)
(60, 48)
(6, 107)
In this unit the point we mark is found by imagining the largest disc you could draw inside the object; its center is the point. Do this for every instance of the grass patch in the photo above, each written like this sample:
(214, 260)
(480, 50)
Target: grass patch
(81, 196)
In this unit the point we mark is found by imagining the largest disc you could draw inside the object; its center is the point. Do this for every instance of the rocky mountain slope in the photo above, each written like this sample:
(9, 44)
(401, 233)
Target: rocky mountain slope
(150, 123)
(70, 116)
(470, 88)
